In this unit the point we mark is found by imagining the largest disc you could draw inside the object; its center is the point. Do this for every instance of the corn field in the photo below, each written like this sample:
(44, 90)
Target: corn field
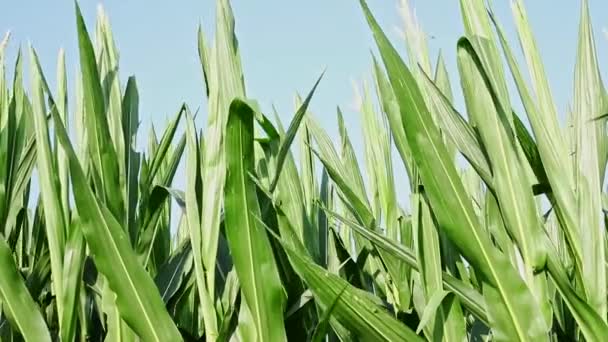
(503, 238)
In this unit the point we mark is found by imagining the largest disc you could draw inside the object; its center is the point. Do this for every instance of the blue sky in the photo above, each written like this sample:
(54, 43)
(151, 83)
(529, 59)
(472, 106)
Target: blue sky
(284, 46)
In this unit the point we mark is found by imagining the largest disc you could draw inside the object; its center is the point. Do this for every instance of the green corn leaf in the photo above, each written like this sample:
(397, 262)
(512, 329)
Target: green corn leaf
(380, 169)
(130, 112)
(380, 165)
(513, 190)
(551, 149)
(496, 227)
(73, 262)
(22, 177)
(310, 192)
(482, 88)
(62, 108)
(354, 308)
(472, 300)
(225, 81)
(108, 74)
(344, 173)
(290, 192)
(291, 134)
(442, 81)
(415, 37)
(322, 328)
(137, 297)
(431, 308)
(13, 149)
(17, 303)
(590, 164)
(161, 151)
(592, 325)
(447, 321)
(150, 222)
(172, 273)
(251, 251)
(351, 168)
(452, 208)
(49, 184)
(102, 150)
(544, 118)
(477, 28)
(193, 199)
(359, 208)
(390, 108)
(457, 130)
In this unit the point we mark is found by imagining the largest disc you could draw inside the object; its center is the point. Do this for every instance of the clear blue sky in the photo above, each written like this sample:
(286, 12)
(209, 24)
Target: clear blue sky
(284, 46)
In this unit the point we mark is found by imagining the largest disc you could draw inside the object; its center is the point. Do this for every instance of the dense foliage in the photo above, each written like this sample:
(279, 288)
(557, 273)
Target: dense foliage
(503, 239)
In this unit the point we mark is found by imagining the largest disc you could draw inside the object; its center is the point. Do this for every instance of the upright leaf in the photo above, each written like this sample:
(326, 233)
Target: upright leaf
(590, 163)
(49, 183)
(251, 251)
(101, 147)
(137, 297)
(16, 301)
(453, 210)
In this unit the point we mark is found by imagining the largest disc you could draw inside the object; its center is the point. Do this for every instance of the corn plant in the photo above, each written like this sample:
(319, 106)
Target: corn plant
(502, 239)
